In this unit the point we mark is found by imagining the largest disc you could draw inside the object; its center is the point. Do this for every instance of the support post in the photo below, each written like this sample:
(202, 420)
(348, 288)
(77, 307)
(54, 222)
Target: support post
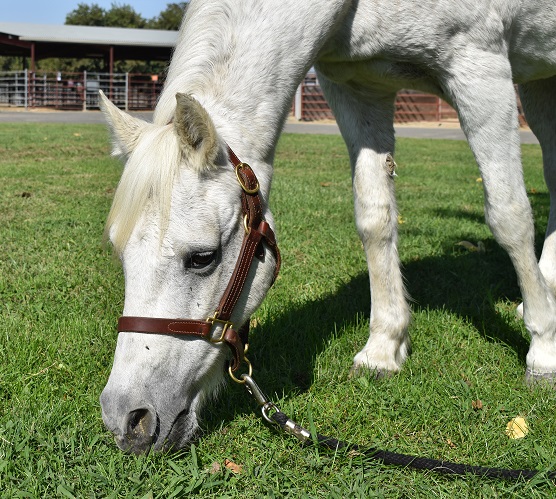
(26, 79)
(298, 103)
(127, 92)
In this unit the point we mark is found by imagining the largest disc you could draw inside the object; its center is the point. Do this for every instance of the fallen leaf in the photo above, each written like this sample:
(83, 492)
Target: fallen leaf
(325, 184)
(451, 444)
(468, 246)
(517, 428)
(477, 404)
(479, 179)
(400, 220)
(77, 135)
(233, 467)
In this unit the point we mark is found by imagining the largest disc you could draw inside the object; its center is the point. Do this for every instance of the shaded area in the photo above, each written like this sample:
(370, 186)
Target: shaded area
(467, 284)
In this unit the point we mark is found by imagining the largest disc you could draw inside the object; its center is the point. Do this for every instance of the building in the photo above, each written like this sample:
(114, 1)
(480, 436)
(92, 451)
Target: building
(41, 41)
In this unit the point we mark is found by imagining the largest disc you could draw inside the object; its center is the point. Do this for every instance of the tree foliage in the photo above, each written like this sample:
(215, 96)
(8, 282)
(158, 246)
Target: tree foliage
(87, 15)
(170, 18)
(125, 16)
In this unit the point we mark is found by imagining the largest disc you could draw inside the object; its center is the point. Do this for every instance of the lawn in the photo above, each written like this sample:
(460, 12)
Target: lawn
(61, 292)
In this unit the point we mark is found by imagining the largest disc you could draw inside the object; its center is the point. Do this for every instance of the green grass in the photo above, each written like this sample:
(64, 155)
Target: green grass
(61, 293)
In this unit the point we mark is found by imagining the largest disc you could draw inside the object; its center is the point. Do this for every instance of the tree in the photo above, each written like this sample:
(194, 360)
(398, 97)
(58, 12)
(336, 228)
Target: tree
(170, 18)
(87, 15)
(124, 16)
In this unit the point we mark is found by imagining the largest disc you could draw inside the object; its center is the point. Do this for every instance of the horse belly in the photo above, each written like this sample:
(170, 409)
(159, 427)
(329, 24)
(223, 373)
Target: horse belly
(415, 44)
(380, 74)
(532, 48)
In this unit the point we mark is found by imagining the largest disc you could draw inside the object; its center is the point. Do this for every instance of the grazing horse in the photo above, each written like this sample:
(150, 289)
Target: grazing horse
(186, 206)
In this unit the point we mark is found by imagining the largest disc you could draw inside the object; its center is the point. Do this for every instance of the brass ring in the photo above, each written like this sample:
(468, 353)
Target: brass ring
(237, 380)
(242, 183)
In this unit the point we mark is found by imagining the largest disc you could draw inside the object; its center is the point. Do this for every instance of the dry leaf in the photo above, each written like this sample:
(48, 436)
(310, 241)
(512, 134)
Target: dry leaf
(233, 467)
(517, 428)
(215, 468)
(477, 404)
(479, 179)
(451, 444)
(468, 246)
(77, 135)
(325, 184)
(400, 220)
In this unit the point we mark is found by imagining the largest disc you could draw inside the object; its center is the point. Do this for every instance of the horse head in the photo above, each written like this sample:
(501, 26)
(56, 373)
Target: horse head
(177, 224)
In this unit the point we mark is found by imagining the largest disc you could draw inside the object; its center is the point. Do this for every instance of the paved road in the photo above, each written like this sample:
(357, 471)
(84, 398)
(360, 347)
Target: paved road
(416, 131)
(423, 132)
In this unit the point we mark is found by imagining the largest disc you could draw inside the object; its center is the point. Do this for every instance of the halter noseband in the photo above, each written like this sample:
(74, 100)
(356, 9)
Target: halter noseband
(257, 231)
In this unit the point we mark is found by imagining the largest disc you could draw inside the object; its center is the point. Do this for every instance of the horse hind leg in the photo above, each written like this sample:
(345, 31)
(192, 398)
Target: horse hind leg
(367, 127)
(484, 95)
(539, 104)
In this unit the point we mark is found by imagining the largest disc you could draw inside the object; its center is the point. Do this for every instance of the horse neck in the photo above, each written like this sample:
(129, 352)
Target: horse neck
(243, 60)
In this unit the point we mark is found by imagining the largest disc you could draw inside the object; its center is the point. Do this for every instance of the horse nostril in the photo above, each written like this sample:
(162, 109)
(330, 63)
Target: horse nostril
(137, 418)
(141, 429)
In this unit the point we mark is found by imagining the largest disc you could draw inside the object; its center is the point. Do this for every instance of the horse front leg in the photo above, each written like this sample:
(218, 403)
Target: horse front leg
(376, 218)
(484, 95)
(366, 123)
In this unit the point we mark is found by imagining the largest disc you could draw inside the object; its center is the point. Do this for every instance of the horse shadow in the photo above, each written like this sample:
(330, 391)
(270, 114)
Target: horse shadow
(462, 282)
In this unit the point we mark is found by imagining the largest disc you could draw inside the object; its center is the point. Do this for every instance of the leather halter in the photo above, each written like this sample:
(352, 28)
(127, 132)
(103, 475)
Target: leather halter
(257, 231)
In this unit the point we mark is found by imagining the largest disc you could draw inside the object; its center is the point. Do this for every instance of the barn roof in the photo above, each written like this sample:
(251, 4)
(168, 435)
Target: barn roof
(88, 34)
(40, 41)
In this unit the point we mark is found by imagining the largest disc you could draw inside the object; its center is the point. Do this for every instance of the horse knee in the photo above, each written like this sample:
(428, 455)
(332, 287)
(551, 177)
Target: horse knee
(511, 222)
(376, 213)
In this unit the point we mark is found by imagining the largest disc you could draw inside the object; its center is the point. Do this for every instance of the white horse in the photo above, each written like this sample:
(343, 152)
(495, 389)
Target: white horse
(176, 216)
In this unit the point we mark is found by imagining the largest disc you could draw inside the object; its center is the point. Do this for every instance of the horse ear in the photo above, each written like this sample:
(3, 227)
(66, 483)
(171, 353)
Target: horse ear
(196, 131)
(125, 128)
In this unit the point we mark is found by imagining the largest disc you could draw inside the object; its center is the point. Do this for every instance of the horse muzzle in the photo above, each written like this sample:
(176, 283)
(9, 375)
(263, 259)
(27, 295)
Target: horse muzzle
(140, 429)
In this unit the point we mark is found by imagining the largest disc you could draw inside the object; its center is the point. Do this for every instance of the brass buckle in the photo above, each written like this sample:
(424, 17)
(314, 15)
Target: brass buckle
(225, 325)
(246, 227)
(239, 166)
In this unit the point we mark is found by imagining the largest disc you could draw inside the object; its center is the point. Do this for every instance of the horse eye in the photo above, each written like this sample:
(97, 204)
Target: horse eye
(199, 261)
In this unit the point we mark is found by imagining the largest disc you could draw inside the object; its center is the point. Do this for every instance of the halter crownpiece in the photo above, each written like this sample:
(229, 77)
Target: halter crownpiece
(257, 231)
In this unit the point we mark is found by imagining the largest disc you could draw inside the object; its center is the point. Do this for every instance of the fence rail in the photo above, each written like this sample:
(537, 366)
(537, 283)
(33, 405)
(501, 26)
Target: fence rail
(138, 92)
(78, 91)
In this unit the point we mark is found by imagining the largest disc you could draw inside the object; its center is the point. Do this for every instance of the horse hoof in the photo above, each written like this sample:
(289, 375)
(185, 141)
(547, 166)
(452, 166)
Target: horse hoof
(533, 378)
(358, 370)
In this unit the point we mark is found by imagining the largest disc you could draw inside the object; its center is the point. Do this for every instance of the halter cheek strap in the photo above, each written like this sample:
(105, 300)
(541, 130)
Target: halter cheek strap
(257, 232)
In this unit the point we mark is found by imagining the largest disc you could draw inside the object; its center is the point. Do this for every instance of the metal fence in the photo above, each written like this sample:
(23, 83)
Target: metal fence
(78, 91)
(410, 106)
(135, 92)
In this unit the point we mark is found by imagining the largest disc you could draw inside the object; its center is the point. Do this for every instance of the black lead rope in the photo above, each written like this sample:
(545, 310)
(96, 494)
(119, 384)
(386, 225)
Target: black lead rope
(273, 415)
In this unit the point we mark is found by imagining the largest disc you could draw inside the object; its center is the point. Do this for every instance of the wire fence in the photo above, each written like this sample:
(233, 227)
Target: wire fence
(139, 92)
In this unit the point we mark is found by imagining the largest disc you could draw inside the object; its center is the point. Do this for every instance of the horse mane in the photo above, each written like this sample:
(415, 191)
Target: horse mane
(147, 179)
(200, 60)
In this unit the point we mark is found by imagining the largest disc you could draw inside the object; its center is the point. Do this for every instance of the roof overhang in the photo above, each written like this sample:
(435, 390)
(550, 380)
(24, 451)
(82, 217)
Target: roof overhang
(18, 39)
